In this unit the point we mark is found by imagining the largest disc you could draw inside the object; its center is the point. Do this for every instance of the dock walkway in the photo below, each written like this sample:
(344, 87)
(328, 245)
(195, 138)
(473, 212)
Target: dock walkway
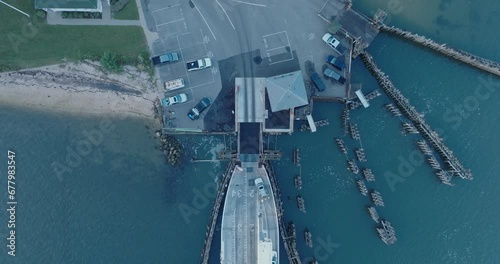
(416, 118)
(221, 190)
(465, 57)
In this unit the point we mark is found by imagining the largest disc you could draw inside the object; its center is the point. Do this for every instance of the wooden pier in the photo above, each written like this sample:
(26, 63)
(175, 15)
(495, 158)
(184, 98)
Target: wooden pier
(221, 191)
(465, 57)
(289, 241)
(416, 118)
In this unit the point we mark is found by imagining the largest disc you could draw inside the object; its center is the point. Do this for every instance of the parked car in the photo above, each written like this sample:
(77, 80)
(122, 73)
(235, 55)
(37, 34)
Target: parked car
(195, 112)
(174, 84)
(166, 58)
(320, 85)
(334, 75)
(337, 62)
(199, 64)
(334, 43)
(176, 99)
(262, 191)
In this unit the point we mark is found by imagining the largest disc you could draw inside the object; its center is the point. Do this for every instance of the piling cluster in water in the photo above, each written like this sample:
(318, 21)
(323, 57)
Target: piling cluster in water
(386, 232)
(454, 165)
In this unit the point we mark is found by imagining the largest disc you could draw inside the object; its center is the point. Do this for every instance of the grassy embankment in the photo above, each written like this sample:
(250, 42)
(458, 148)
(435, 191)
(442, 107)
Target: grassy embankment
(30, 42)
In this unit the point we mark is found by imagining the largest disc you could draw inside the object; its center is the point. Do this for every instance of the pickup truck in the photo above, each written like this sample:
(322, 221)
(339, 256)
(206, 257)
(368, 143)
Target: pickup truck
(195, 112)
(334, 75)
(166, 58)
(334, 43)
(320, 85)
(174, 84)
(336, 62)
(178, 98)
(199, 64)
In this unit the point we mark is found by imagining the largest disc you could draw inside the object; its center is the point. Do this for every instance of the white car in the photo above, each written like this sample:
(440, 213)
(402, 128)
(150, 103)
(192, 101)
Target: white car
(199, 64)
(262, 191)
(176, 99)
(333, 43)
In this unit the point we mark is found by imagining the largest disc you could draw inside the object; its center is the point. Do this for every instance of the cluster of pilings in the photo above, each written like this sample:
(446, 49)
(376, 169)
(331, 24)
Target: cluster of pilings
(345, 119)
(362, 187)
(297, 181)
(377, 198)
(221, 190)
(470, 59)
(387, 233)
(301, 204)
(341, 144)
(368, 174)
(296, 157)
(360, 154)
(370, 96)
(373, 214)
(308, 238)
(319, 123)
(353, 130)
(416, 118)
(444, 176)
(393, 110)
(409, 128)
(352, 166)
(289, 242)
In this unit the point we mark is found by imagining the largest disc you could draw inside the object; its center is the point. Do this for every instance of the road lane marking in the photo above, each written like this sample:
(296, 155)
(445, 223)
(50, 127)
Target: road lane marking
(248, 3)
(204, 19)
(226, 14)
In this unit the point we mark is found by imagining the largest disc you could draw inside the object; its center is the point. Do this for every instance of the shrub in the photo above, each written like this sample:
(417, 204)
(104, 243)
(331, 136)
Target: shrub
(111, 62)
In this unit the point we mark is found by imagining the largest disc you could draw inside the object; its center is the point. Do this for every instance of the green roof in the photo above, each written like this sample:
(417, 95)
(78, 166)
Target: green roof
(66, 4)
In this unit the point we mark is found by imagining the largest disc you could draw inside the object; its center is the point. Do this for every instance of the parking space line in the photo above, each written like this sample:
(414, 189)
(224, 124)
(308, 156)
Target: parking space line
(183, 61)
(202, 84)
(168, 7)
(204, 19)
(248, 3)
(281, 61)
(225, 13)
(268, 35)
(173, 21)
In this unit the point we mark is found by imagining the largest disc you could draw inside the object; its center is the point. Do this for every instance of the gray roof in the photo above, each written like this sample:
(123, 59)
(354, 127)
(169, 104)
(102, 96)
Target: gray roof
(286, 91)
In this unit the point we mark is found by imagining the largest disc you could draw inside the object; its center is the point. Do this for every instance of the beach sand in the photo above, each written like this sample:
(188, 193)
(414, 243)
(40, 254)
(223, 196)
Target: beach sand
(80, 88)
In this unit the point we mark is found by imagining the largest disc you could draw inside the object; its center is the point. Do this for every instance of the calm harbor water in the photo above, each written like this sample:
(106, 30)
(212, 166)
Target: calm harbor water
(122, 204)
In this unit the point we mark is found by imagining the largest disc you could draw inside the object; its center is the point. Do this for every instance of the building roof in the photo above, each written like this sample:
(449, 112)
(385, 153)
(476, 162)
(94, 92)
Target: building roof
(286, 91)
(67, 4)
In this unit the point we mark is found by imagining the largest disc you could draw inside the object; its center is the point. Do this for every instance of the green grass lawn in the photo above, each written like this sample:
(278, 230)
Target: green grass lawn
(130, 12)
(27, 43)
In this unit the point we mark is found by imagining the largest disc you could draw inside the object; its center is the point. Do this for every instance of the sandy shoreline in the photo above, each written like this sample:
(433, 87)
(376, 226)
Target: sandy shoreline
(80, 89)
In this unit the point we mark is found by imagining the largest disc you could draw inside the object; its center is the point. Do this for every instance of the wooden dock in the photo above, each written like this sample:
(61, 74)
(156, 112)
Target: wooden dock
(465, 57)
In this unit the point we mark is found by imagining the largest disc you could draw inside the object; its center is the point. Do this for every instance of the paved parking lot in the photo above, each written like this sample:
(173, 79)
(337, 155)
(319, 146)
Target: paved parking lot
(219, 29)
